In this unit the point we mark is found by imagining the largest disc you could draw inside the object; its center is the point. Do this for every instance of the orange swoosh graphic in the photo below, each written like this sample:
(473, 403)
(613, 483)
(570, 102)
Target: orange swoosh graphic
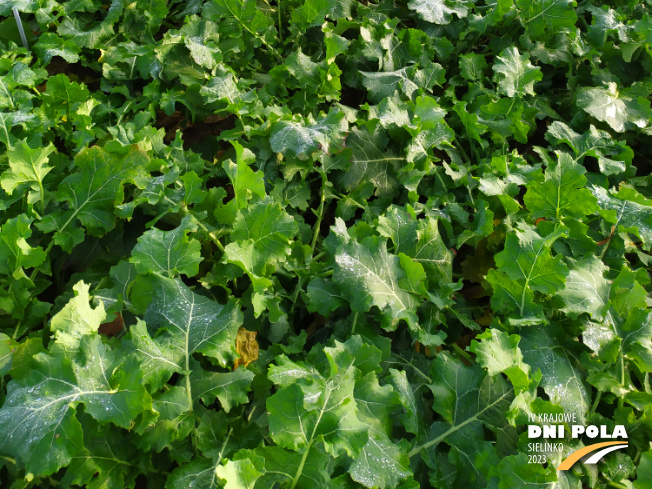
(575, 456)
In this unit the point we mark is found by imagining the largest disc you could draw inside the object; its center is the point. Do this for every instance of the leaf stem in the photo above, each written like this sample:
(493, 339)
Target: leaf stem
(320, 213)
(280, 26)
(596, 401)
(616, 484)
(355, 321)
(416, 450)
(463, 353)
(621, 400)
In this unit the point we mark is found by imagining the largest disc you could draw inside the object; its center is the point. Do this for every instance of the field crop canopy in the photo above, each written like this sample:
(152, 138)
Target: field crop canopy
(325, 244)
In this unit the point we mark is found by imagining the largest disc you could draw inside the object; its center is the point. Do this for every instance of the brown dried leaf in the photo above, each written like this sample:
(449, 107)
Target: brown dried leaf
(246, 346)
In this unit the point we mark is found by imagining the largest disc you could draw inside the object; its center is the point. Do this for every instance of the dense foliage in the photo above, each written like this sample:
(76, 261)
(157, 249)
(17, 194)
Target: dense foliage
(435, 215)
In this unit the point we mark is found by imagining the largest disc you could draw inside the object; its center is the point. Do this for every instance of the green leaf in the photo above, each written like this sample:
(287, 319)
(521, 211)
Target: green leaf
(324, 296)
(270, 230)
(63, 97)
(382, 463)
(230, 387)
(561, 380)
(498, 352)
(50, 45)
(644, 471)
(439, 11)
(518, 74)
(221, 87)
(527, 258)
(467, 399)
(6, 352)
(246, 183)
(241, 472)
(514, 470)
(199, 473)
(330, 416)
(158, 361)
(169, 253)
(303, 139)
(627, 108)
(406, 80)
(628, 211)
(420, 240)
(472, 66)
(76, 320)
(42, 405)
(563, 193)
(374, 274)
(107, 459)
(613, 156)
(586, 289)
(192, 184)
(15, 251)
(27, 166)
(92, 193)
(191, 322)
(367, 161)
(543, 18)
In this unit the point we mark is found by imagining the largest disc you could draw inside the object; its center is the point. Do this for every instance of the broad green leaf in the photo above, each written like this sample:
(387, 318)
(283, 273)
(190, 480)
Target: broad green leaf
(472, 66)
(29, 166)
(92, 193)
(324, 296)
(271, 230)
(406, 80)
(241, 472)
(15, 251)
(303, 139)
(527, 258)
(191, 322)
(168, 253)
(38, 425)
(76, 320)
(229, 387)
(374, 274)
(563, 193)
(627, 210)
(514, 470)
(192, 184)
(63, 97)
(644, 471)
(612, 155)
(199, 473)
(542, 18)
(77, 30)
(310, 470)
(586, 290)
(366, 159)
(498, 352)
(467, 399)
(6, 349)
(627, 108)
(420, 240)
(246, 183)
(106, 460)
(439, 11)
(221, 87)
(50, 45)
(518, 74)
(562, 380)
(329, 416)
(382, 464)
(158, 360)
